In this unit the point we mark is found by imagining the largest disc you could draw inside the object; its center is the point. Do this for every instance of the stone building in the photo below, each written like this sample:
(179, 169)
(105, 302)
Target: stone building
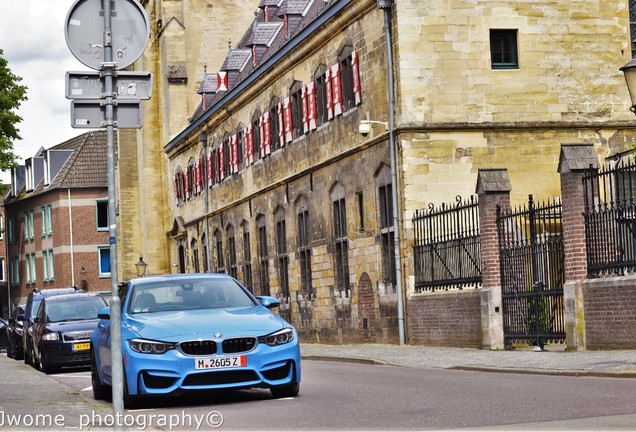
(266, 176)
(57, 219)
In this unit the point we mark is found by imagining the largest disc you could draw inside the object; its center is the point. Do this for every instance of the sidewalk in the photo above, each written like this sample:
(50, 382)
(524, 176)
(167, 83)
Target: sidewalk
(555, 360)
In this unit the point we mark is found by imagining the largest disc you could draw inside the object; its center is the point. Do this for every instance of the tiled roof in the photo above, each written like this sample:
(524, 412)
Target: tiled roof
(236, 59)
(264, 3)
(209, 84)
(264, 33)
(88, 165)
(293, 7)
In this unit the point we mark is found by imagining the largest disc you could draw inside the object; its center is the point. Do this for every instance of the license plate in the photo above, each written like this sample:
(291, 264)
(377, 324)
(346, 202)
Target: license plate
(82, 346)
(220, 362)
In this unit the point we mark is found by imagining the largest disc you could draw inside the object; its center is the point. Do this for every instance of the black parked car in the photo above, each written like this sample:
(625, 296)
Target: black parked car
(62, 330)
(4, 326)
(14, 333)
(31, 308)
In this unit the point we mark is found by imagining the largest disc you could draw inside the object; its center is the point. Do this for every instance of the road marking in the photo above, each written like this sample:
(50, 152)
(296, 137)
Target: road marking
(88, 388)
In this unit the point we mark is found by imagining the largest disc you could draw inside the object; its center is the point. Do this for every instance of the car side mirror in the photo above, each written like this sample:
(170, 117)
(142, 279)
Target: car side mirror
(104, 313)
(268, 302)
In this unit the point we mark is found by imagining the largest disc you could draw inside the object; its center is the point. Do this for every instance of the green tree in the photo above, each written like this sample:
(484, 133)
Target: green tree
(12, 94)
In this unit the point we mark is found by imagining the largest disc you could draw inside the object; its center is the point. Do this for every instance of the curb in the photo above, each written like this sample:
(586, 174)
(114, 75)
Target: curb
(549, 372)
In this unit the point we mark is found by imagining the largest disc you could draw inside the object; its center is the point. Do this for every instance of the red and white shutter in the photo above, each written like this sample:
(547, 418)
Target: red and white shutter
(329, 94)
(311, 105)
(305, 104)
(337, 90)
(234, 151)
(249, 146)
(221, 165)
(197, 178)
(202, 171)
(281, 123)
(187, 185)
(221, 81)
(176, 188)
(355, 70)
(289, 131)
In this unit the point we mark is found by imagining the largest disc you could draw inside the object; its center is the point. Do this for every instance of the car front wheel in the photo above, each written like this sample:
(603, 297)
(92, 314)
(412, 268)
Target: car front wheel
(45, 366)
(100, 391)
(287, 390)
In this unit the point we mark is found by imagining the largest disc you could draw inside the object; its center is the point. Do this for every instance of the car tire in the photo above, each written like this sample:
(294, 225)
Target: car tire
(130, 402)
(100, 391)
(287, 390)
(44, 365)
(11, 350)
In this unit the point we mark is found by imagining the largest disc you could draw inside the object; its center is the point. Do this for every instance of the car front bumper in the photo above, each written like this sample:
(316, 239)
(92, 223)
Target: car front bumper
(174, 372)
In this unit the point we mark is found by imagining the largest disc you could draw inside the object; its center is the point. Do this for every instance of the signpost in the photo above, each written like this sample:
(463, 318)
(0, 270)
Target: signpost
(108, 35)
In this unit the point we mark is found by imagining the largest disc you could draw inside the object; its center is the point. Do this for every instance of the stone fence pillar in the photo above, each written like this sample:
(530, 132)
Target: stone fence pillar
(574, 161)
(493, 189)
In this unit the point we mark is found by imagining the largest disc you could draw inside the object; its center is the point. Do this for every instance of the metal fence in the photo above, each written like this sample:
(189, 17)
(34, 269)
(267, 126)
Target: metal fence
(532, 272)
(610, 218)
(446, 247)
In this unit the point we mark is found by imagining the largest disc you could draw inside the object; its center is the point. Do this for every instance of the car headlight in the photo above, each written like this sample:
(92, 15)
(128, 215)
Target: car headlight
(278, 338)
(149, 347)
(51, 336)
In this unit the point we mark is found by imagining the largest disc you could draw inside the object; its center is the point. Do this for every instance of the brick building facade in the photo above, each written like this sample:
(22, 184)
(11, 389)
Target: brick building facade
(56, 219)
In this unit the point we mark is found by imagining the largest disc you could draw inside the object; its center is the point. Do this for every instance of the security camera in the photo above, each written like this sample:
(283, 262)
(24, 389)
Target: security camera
(364, 129)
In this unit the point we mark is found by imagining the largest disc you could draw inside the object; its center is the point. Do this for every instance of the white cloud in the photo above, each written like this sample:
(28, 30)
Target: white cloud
(32, 38)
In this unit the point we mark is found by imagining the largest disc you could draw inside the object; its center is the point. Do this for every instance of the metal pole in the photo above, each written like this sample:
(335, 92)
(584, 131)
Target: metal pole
(204, 140)
(115, 304)
(386, 6)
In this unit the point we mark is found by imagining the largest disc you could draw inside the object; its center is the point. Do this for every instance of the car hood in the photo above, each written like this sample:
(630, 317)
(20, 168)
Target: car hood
(71, 326)
(204, 323)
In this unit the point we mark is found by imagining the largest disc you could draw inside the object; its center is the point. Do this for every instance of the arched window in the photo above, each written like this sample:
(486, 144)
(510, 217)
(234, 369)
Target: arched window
(387, 230)
(304, 247)
(340, 240)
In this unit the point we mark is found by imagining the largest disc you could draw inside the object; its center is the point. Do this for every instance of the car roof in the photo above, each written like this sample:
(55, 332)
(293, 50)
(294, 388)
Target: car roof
(54, 292)
(181, 276)
(79, 295)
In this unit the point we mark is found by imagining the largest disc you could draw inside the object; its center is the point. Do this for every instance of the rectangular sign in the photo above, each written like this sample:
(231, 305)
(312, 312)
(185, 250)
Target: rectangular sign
(91, 114)
(126, 85)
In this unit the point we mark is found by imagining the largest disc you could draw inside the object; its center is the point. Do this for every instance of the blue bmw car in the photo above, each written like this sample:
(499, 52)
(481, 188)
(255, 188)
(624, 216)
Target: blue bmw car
(189, 332)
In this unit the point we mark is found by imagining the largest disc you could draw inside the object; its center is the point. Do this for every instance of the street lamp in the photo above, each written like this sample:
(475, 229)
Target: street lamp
(141, 267)
(83, 275)
(630, 78)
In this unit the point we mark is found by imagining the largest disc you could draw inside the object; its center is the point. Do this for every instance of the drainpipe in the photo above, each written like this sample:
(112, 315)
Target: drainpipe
(386, 5)
(203, 139)
(70, 226)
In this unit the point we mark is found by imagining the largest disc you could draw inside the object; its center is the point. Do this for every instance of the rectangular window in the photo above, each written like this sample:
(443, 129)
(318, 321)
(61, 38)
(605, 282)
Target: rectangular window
(360, 197)
(1, 228)
(283, 259)
(346, 83)
(104, 260)
(503, 49)
(10, 230)
(231, 245)
(34, 278)
(262, 256)
(247, 266)
(297, 112)
(50, 266)
(220, 267)
(274, 128)
(304, 252)
(45, 262)
(385, 205)
(49, 219)
(341, 245)
(26, 226)
(31, 228)
(102, 215)
(43, 219)
(2, 270)
(27, 267)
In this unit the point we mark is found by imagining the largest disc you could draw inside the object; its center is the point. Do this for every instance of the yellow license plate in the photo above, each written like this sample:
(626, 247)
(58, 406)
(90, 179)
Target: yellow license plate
(82, 346)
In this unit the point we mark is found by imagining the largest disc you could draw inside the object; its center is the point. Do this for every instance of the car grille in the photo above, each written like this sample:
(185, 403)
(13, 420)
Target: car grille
(78, 335)
(199, 347)
(278, 373)
(237, 345)
(220, 377)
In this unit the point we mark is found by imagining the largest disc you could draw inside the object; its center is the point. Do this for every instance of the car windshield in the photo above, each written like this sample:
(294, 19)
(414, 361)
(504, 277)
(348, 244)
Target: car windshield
(186, 295)
(74, 309)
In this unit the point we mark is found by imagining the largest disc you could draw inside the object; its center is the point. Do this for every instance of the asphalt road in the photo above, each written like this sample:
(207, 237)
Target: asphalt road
(348, 396)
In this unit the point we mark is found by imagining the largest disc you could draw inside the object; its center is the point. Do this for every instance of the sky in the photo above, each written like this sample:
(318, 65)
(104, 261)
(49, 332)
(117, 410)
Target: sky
(32, 38)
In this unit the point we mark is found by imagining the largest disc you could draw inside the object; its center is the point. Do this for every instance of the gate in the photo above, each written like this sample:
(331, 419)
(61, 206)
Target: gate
(532, 273)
